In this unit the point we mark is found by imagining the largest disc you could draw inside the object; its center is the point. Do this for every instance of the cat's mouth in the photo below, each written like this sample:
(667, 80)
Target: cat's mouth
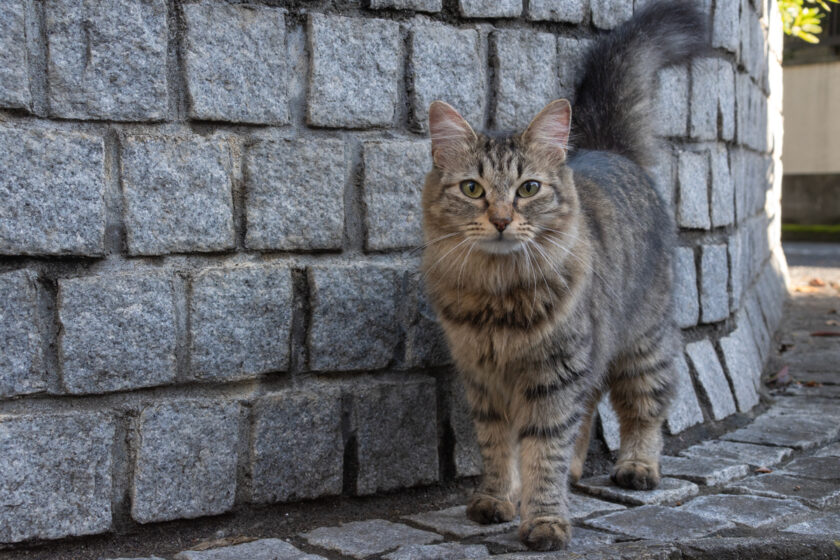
(500, 244)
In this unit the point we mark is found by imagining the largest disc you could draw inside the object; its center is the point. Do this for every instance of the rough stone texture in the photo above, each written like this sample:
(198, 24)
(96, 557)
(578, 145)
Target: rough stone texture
(704, 104)
(468, 461)
(581, 506)
(726, 99)
(249, 87)
(22, 368)
(571, 54)
(445, 551)
(685, 410)
(186, 460)
(295, 195)
(752, 511)
(658, 522)
(607, 14)
(297, 445)
(425, 344)
(755, 455)
(118, 332)
(446, 64)
(364, 538)
(832, 450)
(723, 190)
(608, 420)
(240, 318)
(571, 11)
(799, 432)
(14, 72)
(714, 295)
(743, 364)
(670, 490)
(816, 493)
(708, 472)
(686, 298)
(693, 207)
(354, 70)
(107, 59)
(453, 522)
(396, 433)
(822, 468)
(672, 97)
(725, 25)
(53, 192)
(55, 475)
(177, 194)
(824, 525)
(394, 175)
(582, 539)
(711, 377)
(263, 549)
(490, 8)
(526, 75)
(419, 5)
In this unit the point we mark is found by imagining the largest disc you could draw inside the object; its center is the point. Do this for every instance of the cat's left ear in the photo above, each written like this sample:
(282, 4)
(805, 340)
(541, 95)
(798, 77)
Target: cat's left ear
(549, 131)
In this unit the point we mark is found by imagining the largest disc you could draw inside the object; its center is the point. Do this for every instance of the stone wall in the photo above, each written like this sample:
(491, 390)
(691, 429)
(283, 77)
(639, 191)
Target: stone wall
(208, 297)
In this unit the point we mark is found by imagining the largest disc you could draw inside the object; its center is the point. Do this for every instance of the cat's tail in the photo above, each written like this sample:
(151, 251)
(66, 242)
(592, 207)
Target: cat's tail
(614, 107)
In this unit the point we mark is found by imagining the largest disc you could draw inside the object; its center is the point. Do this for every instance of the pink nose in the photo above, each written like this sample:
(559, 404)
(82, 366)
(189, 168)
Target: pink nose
(500, 222)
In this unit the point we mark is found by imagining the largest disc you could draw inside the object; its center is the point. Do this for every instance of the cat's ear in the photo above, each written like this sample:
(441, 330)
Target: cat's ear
(451, 135)
(549, 131)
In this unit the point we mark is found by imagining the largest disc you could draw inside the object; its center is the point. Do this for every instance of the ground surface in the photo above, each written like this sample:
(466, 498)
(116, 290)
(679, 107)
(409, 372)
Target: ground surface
(765, 485)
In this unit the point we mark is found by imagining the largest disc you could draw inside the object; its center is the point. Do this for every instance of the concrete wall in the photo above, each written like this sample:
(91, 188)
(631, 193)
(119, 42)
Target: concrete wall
(207, 293)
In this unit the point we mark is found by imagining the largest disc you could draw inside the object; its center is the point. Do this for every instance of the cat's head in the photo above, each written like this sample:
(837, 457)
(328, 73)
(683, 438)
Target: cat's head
(498, 194)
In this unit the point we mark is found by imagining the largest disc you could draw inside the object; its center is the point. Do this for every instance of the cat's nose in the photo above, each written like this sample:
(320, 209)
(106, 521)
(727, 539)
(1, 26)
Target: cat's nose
(501, 222)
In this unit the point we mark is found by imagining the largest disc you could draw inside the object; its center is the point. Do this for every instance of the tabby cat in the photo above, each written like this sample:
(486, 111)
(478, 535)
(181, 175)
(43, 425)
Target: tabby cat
(550, 270)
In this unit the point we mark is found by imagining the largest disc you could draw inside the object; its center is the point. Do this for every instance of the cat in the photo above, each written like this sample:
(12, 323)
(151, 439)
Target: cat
(549, 268)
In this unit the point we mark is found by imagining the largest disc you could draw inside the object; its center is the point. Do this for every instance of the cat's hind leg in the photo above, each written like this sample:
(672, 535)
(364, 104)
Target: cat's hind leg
(583, 439)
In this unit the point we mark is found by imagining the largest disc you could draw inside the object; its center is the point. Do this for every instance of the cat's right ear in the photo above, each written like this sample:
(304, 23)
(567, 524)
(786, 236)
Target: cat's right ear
(451, 135)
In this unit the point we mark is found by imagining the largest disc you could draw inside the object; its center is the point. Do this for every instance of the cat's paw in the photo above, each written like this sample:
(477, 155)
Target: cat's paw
(636, 474)
(486, 509)
(545, 533)
(575, 470)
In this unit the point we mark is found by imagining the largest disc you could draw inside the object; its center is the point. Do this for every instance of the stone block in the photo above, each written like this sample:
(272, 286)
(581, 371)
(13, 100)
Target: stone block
(659, 523)
(395, 172)
(743, 364)
(663, 174)
(752, 114)
(723, 190)
(685, 410)
(582, 540)
(446, 63)
(821, 468)
(425, 344)
(430, 6)
(490, 8)
(354, 71)
(295, 195)
(53, 191)
(607, 14)
(14, 69)
(726, 99)
(22, 368)
(670, 490)
(445, 551)
(704, 104)
(177, 194)
(815, 493)
(693, 206)
(581, 507)
(571, 11)
(756, 320)
(737, 272)
(240, 318)
(263, 549)
(711, 377)
(686, 298)
(249, 87)
(396, 433)
(754, 455)
(297, 445)
(708, 472)
(571, 56)
(354, 317)
(822, 525)
(608, 420)
(797, 431)
(714, 276)
(361, 539)
(672, 98)
(55, 475)
(453, 522)
(107, 59)
(752, 511)
(832, 450)
(186, 460)
(526, 75)
(118, 332)
(468, 461)
(725, 25)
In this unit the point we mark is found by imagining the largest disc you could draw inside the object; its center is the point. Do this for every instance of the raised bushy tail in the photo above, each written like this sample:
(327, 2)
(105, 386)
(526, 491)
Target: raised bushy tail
(614, 107)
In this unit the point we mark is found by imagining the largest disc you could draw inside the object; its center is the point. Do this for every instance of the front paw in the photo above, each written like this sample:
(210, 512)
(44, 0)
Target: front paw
(486, 509)
(545, 533)
(636, 474)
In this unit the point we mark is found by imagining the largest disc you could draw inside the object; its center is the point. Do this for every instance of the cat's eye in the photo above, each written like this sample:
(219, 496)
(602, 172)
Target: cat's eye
(472, 189)
(528, 188)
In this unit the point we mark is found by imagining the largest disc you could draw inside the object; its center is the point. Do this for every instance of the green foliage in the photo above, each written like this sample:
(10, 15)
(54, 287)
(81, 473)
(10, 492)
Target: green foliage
(801, 18)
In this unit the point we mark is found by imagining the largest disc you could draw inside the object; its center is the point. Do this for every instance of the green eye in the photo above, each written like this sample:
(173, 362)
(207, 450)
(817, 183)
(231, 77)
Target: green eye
(472, 189)
(528, 188)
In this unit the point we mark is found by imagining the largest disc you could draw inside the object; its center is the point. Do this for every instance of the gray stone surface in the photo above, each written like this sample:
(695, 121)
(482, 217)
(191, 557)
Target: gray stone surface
(799, 432)
(354, 70)
(107, 59)
(446, 64)
(364, 538)
(118, 332)
(490, 8)
(726, 99)
(570, 11)
(354, 317)
(177, 194)
(248, 87)
(297, 445)
(823, 525)
(22, 368)
(608, 419)
(743, 364)
(670, 490)
(467, 454)
(53, 192)
(723, 190)
(581, 506)
(816, 493)
(832, 450)
(263, 549)
(453, 522)
(295, 194)
(685, 410)
(425, 344)
(14, 71)
(582, 539)
(240, 319)
(672, 98)
(755, 455)
(55, 475)
(396, 433)
(419, 5)
(725, 25)
(751, 113)
(704, 103)
(686, 297)
(571, 54)
(445, 551)
(752, 511)
(186, 460)
(607, 14)
(708, 472)
(394, 175)
(659, 523)
(711, 377)
(693, 206)
(714, 275)
(821, 468)
(526, 75)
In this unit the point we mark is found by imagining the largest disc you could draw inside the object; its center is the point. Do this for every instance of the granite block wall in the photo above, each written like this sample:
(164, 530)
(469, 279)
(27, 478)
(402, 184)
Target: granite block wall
(208, 288)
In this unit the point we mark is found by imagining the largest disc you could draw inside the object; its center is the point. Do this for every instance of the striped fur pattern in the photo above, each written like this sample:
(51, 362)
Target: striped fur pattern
(549, 300)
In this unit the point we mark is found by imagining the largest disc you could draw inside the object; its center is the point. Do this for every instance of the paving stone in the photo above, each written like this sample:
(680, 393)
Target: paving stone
(14, 72)
(53, 191)
(583, 506)
(832, 450)
(22, 369)
(669, 490)
(263, 549)
(240, 318)
(186, 460)
(118, 332)
(571, 11)
(816, 493)
(446, 64)
(144, 558)
(394, 175)
(723, 190)
(354, 71)
(445, 551)
(686, 297)
(453, 522)
(726, 99)
(419, 5)
(737, 272)
(490, 8)
(685, 410)
(607, 14)
(571, 56)
(799, 432)
(714, 294)
(755, 455)
(363, 538)
(297, 445)
(177, 194)
(693, 206)
(711, 377)
(816, 408)
(753, 511)
(619, 551)
(610, 427)
(725, 25)
(823, 525)
(425, 343)
(708, 472)
(249, 87)
(526, 78)
(822, 468)
(704, 104)
(107, 59)
(468, 461)
(582, 539)
(278, 215)
(743, 364)
(55, 475)
(658, 522)
(672, 96)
